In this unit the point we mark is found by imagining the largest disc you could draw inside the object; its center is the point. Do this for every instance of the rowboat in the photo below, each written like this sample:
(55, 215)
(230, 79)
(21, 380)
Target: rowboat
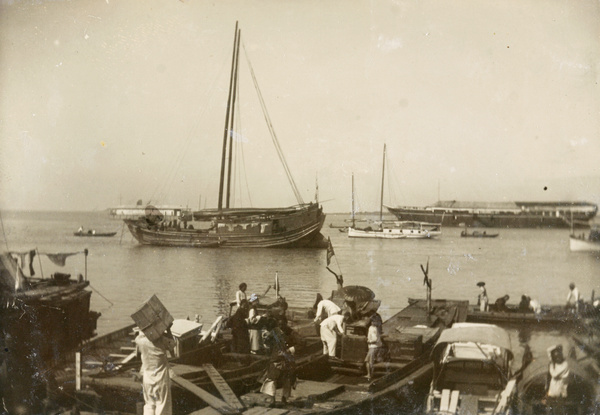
(477, 234)
(91, 234)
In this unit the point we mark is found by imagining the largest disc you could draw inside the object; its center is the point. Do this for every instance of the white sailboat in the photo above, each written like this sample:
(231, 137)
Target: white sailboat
(395, 229)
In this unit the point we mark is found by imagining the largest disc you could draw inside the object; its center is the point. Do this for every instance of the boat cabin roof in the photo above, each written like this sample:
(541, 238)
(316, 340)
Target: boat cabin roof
(468, 338)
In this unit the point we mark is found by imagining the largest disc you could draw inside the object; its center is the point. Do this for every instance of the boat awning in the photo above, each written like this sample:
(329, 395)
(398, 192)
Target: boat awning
(474, 333)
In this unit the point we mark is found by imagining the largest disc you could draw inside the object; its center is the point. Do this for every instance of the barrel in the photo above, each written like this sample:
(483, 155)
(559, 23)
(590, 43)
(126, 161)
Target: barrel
(152, 318)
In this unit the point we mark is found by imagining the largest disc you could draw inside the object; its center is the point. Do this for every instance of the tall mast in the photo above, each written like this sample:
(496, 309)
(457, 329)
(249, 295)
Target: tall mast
(353, 222)
(382, 179)
(232, 117)
(226, 132)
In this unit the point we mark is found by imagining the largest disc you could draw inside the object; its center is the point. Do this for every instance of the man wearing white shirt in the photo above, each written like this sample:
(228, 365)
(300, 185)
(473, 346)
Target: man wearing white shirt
(330, 328)
(328, 307)
(573, 298)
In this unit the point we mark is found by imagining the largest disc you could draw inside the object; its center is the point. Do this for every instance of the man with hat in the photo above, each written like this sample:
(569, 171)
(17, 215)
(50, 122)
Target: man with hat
(482, 298)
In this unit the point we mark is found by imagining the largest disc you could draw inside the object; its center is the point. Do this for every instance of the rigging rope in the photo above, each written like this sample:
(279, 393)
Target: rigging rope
(272, 130)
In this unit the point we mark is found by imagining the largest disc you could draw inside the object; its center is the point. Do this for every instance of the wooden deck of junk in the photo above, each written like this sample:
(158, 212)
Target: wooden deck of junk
(209, 380)
(341, 385)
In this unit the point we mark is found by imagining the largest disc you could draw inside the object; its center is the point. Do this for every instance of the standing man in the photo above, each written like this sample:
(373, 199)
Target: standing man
(374, 344)
(330, 328)
(155, 372)
(573, 298)
(558, 372)
(482, 299)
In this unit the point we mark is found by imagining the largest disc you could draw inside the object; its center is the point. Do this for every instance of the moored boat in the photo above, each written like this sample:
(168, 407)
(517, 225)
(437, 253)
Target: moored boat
(341, 386)
(555, 315)
(477, 234)
(472, 372)
(92, 233)
(43, 321)
(501, 214)
(226, 226)
(392, 230)
(586, 243)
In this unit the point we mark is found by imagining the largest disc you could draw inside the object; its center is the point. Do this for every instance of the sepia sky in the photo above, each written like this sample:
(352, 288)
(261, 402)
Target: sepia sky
(105, 102)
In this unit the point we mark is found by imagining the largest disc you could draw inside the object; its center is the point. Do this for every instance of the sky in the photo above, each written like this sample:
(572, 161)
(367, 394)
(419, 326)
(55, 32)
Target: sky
(108, 102)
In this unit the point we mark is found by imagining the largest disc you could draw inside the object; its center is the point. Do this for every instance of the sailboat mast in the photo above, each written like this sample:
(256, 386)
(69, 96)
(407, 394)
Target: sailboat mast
(226, 132)
(382, 180)
(353, 221)
(232, 118)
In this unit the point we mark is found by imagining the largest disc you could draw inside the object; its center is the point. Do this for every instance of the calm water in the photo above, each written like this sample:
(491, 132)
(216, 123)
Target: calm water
(189, 281)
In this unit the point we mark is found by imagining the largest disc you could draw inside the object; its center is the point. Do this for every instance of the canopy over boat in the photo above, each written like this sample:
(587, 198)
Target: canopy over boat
(474, 333)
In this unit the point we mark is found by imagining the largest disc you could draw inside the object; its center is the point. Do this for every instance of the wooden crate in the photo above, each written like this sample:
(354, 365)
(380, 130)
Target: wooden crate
(354, 348)
(405, 346)
(152, 318)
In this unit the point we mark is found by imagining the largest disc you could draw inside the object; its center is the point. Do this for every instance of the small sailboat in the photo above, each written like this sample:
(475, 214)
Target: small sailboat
(395, 229)
(235, 227)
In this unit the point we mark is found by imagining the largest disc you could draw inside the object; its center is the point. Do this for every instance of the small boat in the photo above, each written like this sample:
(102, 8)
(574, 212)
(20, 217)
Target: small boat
(551, 315)
(392, 230)
(92, 233)
(477, 234)
(590, 243)
(471, 373)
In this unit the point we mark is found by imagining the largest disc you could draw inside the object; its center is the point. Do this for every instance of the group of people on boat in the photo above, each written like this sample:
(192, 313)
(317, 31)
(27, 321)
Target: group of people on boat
(574, 303)
(80, 231)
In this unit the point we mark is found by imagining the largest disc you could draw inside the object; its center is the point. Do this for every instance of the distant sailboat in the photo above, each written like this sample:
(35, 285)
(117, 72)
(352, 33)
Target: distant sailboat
(225, 226)
(391, 230)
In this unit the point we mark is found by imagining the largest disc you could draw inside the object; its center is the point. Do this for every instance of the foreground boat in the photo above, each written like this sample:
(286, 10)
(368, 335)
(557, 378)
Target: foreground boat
(226, 226)
(582, 390)
(583, 243)
(341, 387)
(43, 321)
(203, 368)
(502, 214)
(472, 371)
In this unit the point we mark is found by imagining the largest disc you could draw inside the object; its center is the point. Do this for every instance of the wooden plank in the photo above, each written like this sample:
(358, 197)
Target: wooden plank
(127, 349)
(228, 395)
(117, 356)
(210, 399)
(453, 401)
(259, 410)
(127, 359)
(445, 402)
